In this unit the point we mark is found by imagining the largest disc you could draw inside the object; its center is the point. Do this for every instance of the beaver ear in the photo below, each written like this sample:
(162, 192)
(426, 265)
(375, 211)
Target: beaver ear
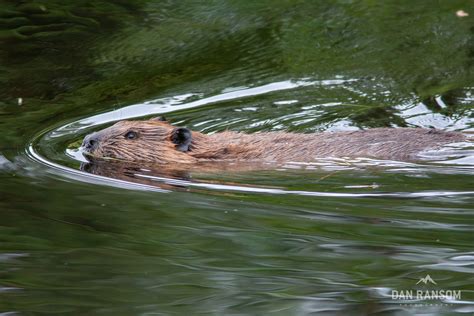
(158, 118)
(182, 138)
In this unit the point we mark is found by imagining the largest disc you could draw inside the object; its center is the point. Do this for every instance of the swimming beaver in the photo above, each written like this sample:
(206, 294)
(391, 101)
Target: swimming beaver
(158, 142)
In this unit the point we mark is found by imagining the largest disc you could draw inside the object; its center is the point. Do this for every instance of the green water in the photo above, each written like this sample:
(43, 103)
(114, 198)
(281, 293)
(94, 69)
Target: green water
(332, 238)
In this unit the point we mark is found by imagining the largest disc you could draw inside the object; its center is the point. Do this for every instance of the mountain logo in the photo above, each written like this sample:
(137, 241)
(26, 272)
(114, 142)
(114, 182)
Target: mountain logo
(426, 279)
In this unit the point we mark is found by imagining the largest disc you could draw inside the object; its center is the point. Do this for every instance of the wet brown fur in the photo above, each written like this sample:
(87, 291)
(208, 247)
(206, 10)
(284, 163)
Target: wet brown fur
(154, 145)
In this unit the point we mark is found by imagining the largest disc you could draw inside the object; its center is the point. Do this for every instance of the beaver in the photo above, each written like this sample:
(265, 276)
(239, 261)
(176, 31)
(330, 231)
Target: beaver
(156, 141)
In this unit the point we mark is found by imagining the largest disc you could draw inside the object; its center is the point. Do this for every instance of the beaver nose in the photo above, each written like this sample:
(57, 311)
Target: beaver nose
(90, 142)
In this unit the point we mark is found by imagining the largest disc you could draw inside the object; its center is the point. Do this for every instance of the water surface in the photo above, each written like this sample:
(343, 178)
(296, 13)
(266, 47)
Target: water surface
(332, 237)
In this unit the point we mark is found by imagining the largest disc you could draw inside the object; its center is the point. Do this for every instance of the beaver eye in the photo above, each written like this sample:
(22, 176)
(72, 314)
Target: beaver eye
(131, 135)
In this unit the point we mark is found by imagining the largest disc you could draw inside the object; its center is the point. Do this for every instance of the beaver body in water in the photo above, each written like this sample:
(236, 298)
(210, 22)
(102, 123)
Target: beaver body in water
(157, 142)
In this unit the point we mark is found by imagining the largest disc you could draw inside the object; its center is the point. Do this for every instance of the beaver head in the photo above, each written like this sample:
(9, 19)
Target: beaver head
(154, 141)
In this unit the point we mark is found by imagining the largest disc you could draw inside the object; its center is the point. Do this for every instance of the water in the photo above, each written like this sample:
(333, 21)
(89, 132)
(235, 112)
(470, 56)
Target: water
(333, 237)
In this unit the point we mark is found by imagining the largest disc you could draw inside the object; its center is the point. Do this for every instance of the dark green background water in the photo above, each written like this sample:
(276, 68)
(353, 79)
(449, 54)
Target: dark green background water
(297, 242)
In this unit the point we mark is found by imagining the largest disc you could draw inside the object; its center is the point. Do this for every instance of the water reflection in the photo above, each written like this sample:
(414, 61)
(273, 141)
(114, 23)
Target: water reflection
(209, 177)
(177, 103)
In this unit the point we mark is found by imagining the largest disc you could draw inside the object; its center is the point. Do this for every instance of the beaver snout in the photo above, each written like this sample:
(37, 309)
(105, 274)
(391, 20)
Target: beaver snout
(90, 142)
